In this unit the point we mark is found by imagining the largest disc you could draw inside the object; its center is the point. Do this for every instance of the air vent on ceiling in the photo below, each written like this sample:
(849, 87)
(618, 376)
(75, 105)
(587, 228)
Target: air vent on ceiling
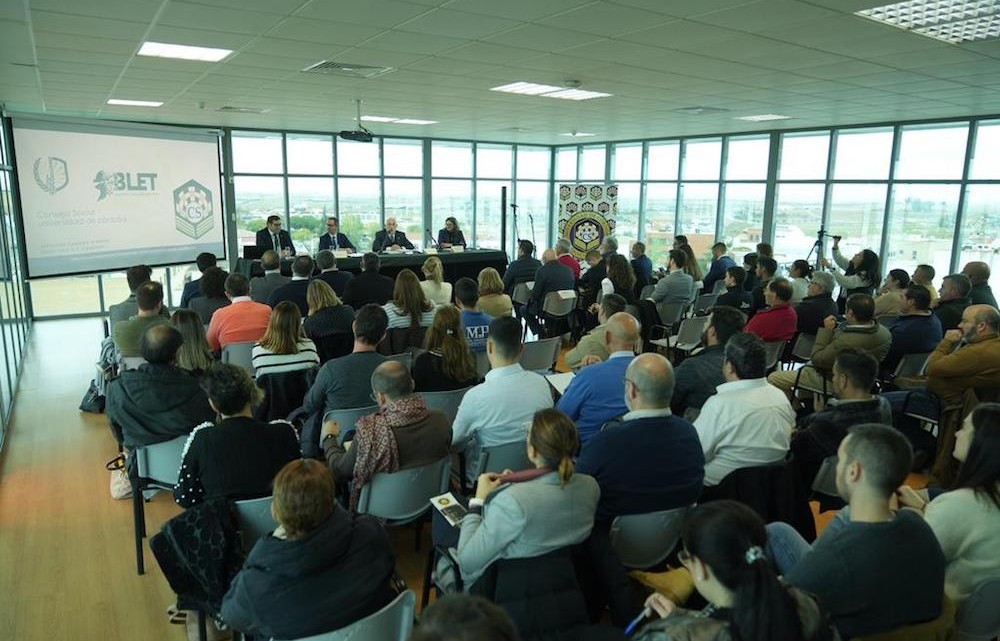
(242, 110)
(699, 111)
(347, 69)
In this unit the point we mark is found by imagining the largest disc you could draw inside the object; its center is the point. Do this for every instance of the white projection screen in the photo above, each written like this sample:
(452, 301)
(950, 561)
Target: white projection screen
(99, 197)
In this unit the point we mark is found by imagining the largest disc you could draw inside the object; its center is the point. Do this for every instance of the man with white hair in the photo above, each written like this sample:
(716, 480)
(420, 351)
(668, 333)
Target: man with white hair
(563, 253)
(390, 238)
(818, 303)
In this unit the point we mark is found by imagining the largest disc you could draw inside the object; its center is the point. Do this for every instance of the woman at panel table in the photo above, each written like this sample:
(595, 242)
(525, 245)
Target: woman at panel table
(451, 234)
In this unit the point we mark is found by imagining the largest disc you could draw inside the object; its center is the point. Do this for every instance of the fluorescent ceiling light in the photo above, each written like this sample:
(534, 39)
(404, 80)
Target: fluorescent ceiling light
(399, 121)
(763, 117)
(953, 21)
(576, 94)
(549, 91)
(577, 134)
(134, 103)
(378, 119)
(183, 52)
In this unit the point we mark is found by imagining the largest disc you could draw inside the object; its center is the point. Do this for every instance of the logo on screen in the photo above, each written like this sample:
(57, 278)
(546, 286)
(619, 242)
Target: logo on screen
(111, 182)
(193, 209)
(51, 174)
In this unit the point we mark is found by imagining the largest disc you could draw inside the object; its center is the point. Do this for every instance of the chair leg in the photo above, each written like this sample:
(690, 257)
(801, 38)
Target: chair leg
(202, 627)
(139, 523)
(425, 594)
(418, 530)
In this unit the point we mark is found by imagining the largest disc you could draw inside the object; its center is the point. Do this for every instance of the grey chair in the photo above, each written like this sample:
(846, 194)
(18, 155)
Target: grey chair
(482, 364)
(979, 617)
(688, 336)
(157, 468)
(509, 456)
(255, 520)
(888, 320)
(404, 497)
(670, 313)
(719, 287)
(522, 293)
(447, 402)
(647, 291)
(774, 350)
(644, 540)
(406, 358)
(394, 622)
(705, 302)
(557, 309)
(912, 364)
(541, 354)
(239, 354)
(348, 418)
(802, 349)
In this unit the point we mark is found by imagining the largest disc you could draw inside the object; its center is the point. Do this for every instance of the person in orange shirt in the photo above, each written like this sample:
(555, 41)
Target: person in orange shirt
(243, 321)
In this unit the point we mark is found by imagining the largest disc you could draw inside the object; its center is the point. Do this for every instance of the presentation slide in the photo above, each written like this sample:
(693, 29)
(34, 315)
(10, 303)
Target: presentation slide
(104, 197)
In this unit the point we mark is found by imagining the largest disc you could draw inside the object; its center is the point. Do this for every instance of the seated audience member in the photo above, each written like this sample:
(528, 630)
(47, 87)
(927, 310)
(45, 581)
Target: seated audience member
(529, 518)
(817, 305)
(652, 460)
(723, 547)
(333, 239)
(691, 265)
(596, 394)
(766, 269)
(916, 331)
(237, 457)
(873, 571)
(721, 264)
(593, 347)
(522, 269)
(750, 267)
(390, 238)
(564, 255)
(700, 374)
(158, 401)
(284, 346)
(128, 333)
(978, 274)
(192, 288)
(620, 279)
(861, 331)
(747, 423)
(799, 275)
(475, 323)
(448, 363)
(136, 275)
(966, 519)
(403, 433)
(464, 617)
(677, 286)
(320, 570)
(369, 286)
(778, 321)
(551, 277)
(590, 281)
(435, 288)
(345, 382)
(408, 307)
(765, 250)
(295, 291)
(261, 287)
(213, 294)
(337, 279)
(451, 235)
(273, 237)
(593, 259)
(818, 435)
(495, 412)
(492, 300)
(327, 315)
(953, 300)
(890, 297)
(924, 275)
(679, 240)
(194, 356)
(735, 296)
(243, 321)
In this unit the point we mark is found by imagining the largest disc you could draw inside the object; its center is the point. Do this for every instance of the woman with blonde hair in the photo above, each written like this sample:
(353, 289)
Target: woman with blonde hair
(284, 346)
(194, 355)
(327, 314)
(409, 306)
(492, 299)
(448, 363)
(435, 289)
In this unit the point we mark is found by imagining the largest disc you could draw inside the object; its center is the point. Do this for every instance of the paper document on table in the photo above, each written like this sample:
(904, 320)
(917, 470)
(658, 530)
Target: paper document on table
(560, 381)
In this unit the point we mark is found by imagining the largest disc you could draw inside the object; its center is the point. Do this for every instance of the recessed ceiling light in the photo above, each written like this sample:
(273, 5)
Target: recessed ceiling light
(953, 21)
(549, 91)
(577, 134)
(415, 121)
(134, 103)
(763, 117)
(378, 119)
(576, 94)
(183, 52)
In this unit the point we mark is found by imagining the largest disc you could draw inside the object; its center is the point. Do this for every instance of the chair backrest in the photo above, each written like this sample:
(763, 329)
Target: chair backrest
(888, 320)
(647, 291)
(509, 456)
(132, 362)
(979, 616)
(239, 354)
(691, 330)
(774, 492)
(522, 293)
(644, 540)
(399, 340)
(538, 355)
(705, 302)
(447, 402)
(348, 418)
(394, 622)
(634, 311)
(482, 363)
(670, 313)
(940, 629)
(404, 496)
(773, 349)
(719, 286)
(560, 303)
(803, 347)
(254, 519)
(334, 345)
(283, 393)
(912, 364)
(160, 464)
(406, 358)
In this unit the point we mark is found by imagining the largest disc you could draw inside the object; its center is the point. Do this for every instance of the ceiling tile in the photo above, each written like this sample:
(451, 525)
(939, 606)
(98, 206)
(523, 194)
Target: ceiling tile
(765, 14)
(407, 42)
(198, 38)
(87, 26)
(681, 34)
(605, 19)
(384, 13)
(543, 38)
(15, 42)
(683, 8)
(132, 11)
(323, 31)
(472, 26)
(280, 7)
(492, 53)
(85, 43)
(233, 20)
(525, 10)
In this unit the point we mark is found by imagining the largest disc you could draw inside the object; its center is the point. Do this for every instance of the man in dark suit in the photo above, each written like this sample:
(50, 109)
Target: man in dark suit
(192, 289)
(276, 238)
(295, 291)
(369, 286)
(552, 276)
(329, 273)
(333, 239)
(523, 268)
(261, 287)
(390, 238)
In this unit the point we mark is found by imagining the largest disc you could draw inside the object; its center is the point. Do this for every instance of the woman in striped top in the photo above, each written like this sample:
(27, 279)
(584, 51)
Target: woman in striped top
(284, 347)
(409, 306)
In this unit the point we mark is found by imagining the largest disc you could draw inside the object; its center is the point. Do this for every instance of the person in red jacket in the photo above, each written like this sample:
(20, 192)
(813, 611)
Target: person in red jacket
(778, 321)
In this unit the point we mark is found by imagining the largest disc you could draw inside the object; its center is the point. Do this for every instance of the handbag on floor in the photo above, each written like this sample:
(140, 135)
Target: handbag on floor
(92, 401)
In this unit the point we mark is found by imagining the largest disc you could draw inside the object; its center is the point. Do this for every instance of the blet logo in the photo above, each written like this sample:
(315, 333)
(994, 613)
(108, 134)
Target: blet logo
(108, 183)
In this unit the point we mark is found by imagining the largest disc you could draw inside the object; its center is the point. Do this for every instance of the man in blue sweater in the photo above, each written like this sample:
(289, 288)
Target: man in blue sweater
(717, 270)
(916, 331)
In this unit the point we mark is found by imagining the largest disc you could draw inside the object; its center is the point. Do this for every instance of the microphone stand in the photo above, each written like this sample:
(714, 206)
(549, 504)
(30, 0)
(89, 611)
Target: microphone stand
(516, 234)
(818, 248)
(531, 225)
(428, 242)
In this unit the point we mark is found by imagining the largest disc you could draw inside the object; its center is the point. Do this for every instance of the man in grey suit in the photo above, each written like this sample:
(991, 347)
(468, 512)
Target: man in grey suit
(677, 286)
(262, 286)
(552, 276)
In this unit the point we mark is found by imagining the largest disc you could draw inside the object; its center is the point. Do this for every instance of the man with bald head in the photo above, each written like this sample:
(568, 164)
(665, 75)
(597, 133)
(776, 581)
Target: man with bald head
(979, 275)
(596, 394)
(390, 238)
(552, 276)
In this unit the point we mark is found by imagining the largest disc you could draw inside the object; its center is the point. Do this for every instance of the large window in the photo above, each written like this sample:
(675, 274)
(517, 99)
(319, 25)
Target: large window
(921, 226)
(404, 202)
(980, 233)
(360, 210)
(798, 216)
(257, 197)
(310, 201)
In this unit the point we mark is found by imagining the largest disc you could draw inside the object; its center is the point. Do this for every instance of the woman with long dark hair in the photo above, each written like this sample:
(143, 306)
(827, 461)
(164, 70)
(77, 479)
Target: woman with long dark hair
(409, 306)
(723, 549)
(448, 363)
(862, 274)
(620, 279)
(213, 294)
(451, 235)
(194, 355)
(692, 266)
(799, 275)
(966, 520)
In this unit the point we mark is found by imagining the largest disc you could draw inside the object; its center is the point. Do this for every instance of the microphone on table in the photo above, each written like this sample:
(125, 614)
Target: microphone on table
(429, 242)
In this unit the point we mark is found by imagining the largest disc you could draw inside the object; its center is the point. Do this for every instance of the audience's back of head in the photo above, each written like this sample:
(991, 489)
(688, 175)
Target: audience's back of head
(824, 281)
(782, 289)
(860, 368)
(137, 275)
(205, 260)
(739, 276)
(490, 282)
(883, 455)
(303, 267)
(678, 257)
(610, 244)
(270, 260)
(862, 306)
(549, 256)
(746, 356)
(392, 379)
(370, 324)
(764, 250)
(901, 277)
(149, 296)
(319, 295)
(237, 285)
(464, 617)
(623, 329)
(303, 497)
(213, 283)
(977, 272)
(230, 388)
(554, 438)
(525, 247)
(159, 344)
(467, 292)
(726, 321)
(653, 378)
(563, 246)
(960, 283)
(371, 262)
(919, 296)
(505, 338)
(767, 265)
(325, 260)
(613, 304)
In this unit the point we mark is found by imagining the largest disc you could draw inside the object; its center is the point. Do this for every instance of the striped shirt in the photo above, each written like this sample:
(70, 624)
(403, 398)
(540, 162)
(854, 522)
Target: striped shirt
(398, 318)
(267, 362)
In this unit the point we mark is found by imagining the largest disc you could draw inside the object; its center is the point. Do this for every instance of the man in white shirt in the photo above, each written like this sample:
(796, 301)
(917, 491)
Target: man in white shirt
(748, 422)
(499, 410)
